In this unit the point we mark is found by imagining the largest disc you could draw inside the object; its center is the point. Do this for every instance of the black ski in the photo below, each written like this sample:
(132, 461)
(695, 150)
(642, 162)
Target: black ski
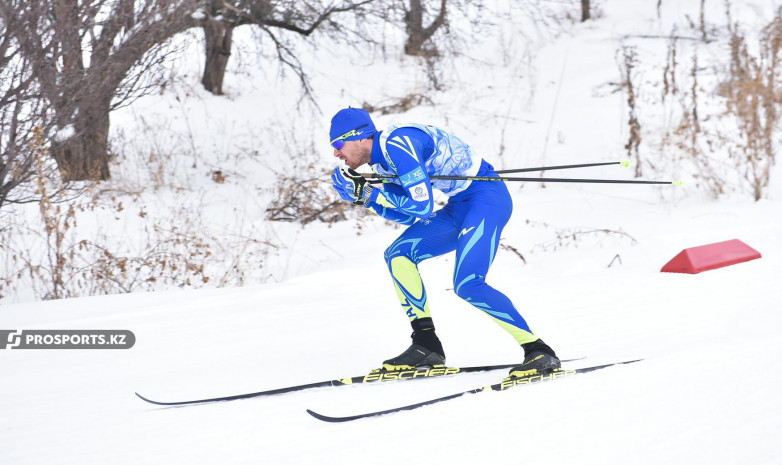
(373, 377)
(506, 383)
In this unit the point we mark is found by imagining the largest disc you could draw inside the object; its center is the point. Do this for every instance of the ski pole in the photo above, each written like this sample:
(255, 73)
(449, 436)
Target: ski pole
(593, 181)
(378, 178)
(624, 163)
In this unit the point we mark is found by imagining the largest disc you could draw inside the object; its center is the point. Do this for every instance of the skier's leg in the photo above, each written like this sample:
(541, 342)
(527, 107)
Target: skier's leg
(424, 239)
(481, 218)
(475, 252)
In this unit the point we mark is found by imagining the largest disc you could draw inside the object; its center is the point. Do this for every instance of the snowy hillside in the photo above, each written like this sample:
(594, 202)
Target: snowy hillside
(322, 305)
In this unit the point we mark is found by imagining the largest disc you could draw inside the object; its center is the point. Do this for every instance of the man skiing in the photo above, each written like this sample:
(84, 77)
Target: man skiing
(470, 224)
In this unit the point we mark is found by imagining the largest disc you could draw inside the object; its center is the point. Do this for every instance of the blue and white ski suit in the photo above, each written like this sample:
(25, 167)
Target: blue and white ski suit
(470, 223)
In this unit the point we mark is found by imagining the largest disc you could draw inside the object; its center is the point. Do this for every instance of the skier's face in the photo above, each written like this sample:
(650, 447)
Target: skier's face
(355, 152)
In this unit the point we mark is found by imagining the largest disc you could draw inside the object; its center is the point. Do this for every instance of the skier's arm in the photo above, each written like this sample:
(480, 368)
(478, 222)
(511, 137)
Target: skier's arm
(353, 187)
(391, 214)
(405, 156)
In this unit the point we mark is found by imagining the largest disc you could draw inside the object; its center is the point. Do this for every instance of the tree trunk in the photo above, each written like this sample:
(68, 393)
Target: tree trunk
(584, 10)
(417, 34)
(84, 156)
(415, 30)
(218, 36)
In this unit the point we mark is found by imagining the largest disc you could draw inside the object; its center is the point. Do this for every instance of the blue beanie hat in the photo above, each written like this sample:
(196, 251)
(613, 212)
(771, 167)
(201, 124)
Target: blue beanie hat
(352, 119)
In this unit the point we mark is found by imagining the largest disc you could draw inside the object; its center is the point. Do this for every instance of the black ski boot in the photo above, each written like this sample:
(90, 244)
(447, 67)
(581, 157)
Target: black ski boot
(539, 359)
(426, 351)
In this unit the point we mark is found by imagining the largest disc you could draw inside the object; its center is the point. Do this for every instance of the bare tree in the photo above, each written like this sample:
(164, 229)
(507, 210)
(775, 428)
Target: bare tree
(20, 128)
(88, 58)
(293, 16)
(585, 13)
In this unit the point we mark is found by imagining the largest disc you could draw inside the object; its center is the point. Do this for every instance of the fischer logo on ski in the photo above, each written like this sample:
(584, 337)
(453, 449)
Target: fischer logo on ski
(506, 383)
(379, 375)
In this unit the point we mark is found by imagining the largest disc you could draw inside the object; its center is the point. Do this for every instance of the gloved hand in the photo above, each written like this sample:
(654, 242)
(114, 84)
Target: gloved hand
(352, 186)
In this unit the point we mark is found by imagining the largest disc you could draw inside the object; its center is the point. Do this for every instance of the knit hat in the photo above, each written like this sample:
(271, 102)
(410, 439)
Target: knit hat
(350, 124)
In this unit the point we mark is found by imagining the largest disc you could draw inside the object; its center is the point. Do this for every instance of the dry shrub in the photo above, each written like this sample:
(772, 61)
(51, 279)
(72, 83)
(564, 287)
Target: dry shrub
(45, 253)
(402, 105)
(572, 237)
(303, 198)
(303, 191)
(718, 116)
(751, 97)
(627, 64)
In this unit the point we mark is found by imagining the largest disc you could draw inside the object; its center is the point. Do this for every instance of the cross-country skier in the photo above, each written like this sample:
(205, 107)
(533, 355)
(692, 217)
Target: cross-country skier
(470, 224)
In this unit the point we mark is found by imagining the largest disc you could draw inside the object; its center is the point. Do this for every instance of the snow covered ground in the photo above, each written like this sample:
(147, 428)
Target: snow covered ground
(703, 394)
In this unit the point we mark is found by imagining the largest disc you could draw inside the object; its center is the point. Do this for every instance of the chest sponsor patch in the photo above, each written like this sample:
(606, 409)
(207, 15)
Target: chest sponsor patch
(419, 192)
(408, 179)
